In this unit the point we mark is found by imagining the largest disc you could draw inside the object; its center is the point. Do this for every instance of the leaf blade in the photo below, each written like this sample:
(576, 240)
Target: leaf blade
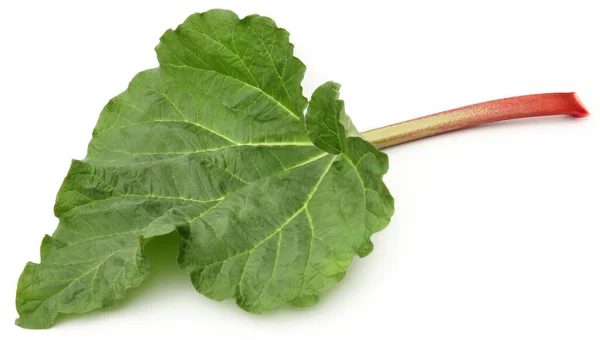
(212, 144)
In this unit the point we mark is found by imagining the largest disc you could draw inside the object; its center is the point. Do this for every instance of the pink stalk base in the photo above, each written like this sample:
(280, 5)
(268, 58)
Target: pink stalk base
(548, 104)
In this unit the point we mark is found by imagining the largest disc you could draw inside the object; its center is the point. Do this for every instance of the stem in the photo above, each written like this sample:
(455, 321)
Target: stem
(548, 104)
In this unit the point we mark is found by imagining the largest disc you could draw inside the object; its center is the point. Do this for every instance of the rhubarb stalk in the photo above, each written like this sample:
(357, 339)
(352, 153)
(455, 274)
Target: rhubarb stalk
(547, 104)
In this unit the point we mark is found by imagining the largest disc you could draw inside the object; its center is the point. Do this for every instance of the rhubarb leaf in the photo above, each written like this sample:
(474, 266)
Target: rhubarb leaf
(213, 144)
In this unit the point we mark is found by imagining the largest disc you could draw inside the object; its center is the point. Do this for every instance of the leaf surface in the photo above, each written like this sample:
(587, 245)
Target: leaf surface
(269, 207)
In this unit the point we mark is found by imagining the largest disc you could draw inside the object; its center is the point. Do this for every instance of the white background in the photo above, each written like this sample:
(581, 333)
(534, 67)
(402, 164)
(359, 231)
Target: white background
(497, 229)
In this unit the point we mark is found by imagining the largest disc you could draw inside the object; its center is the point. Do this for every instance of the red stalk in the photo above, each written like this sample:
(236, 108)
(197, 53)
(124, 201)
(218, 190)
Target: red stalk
(548, 104)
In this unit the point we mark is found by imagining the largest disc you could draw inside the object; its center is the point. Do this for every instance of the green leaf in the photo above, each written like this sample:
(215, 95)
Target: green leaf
(213, 145)
(326, 120)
